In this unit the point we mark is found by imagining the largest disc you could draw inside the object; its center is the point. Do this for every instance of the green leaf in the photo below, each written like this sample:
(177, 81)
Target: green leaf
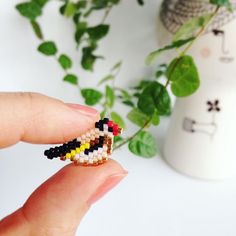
(161, 70)
(65, 61)
(183, 74)
(76, 18)
(155, 119)
(222, 3)
(71, 78)
(140, 2)
(110, 96)
(176, 44)
(48, 48)
(128, 103)
(88, 59)
(82, 4)
(37, 29)
(117, 119)
(142, 84)
(105, 79)
(190, 28)
(118, 139)
(138, 117)
(70, 9)
(80, 31)
(97, 32)
(154, 97)
(143, 144)
(91, 96)
(117, 66)
(30, 10)
(41, 3)
(100, 4)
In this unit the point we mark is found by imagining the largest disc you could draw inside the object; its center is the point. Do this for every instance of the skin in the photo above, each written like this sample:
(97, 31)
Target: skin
(59, 204)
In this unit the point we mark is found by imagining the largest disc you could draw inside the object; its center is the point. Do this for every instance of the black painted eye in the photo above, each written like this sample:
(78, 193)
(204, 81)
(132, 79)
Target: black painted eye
(217, 32)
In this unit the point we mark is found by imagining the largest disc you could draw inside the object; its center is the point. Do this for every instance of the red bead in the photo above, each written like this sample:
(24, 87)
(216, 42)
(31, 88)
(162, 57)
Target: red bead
(110, 123)
(115, 128)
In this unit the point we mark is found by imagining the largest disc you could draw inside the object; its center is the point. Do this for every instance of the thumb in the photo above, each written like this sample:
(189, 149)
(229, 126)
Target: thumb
(58, 205)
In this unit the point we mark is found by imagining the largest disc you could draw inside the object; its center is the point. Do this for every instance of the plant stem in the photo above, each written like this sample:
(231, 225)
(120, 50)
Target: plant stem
(133, 136)
(201, 31)
(107, 11)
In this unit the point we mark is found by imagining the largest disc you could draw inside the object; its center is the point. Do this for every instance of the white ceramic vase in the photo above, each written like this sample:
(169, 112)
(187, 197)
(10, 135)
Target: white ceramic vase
(201, 138)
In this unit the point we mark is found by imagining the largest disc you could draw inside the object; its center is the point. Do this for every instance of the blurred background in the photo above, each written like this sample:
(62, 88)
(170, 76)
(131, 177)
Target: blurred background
(153, 199)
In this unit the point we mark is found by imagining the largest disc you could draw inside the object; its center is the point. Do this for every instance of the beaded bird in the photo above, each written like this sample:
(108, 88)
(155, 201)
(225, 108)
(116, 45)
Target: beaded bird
(90, 149)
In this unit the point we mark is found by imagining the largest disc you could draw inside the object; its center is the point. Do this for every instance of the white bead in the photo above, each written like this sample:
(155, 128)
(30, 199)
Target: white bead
(105, 148)
(100, 150)
(81, 155)
(77, 156)
(90, 161)
(101, 133)
(105, 126)
(105, 154)
(86, 158)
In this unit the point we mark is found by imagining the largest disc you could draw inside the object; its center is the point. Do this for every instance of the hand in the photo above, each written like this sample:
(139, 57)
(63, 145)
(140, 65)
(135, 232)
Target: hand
(58, 205)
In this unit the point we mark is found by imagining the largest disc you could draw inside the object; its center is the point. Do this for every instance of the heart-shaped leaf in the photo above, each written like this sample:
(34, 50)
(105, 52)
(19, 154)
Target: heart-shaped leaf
(144, 145)
(183, 74)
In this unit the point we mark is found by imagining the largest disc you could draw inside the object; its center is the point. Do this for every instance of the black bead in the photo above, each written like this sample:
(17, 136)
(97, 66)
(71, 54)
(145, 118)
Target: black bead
(86, 151)
(100, 145)
(78, 144)
(97, 125)
(105, 120)
(110, 129)
(47, 152)
(50, 157)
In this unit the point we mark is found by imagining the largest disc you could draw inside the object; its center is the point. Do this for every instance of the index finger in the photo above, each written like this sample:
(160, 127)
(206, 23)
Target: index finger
(36, 118)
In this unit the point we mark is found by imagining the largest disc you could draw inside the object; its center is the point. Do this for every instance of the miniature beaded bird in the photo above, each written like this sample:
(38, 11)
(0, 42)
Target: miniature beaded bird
(90, 149)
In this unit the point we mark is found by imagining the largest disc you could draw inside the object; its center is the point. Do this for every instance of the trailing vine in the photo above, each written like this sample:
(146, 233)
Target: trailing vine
(149, 99)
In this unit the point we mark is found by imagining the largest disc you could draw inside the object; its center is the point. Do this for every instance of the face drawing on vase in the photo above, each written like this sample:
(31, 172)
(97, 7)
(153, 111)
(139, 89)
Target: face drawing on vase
(225, 56)
(209, 127)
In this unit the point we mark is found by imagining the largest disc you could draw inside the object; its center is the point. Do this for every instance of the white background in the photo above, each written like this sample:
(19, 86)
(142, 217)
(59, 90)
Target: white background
(153, 199)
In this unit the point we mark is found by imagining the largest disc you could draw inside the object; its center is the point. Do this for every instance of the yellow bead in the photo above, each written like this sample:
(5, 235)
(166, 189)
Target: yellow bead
(68, 155)
(87, 145)
(73, 153)
(82, 148)
(78, 150)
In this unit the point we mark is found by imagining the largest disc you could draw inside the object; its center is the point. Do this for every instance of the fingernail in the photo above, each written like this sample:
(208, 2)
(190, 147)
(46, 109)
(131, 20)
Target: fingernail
(105, 187)
(83, 109)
